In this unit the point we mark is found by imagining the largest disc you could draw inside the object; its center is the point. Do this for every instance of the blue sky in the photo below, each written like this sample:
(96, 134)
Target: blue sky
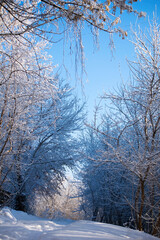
(105, 70)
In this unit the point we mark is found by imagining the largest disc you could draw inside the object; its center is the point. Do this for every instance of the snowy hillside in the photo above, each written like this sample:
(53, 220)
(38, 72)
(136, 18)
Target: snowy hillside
(20, 226)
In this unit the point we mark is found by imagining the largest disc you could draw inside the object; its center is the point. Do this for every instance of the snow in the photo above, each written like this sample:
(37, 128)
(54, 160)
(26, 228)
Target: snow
(19, 225)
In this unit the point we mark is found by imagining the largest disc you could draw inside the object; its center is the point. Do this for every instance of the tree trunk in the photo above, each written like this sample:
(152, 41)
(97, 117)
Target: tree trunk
(140, 227)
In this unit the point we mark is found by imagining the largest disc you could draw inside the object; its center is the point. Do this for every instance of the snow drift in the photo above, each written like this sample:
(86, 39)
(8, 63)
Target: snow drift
(21, 226)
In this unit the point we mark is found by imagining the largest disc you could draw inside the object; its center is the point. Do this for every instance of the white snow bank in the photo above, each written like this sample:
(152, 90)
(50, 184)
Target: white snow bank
(16, 225)
(6, 215)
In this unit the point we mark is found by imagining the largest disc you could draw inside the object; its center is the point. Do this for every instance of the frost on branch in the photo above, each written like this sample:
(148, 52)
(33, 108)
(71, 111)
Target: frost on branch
(33, 15)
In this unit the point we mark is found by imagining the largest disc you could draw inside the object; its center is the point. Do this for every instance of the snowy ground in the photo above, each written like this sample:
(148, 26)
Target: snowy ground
(19, 225)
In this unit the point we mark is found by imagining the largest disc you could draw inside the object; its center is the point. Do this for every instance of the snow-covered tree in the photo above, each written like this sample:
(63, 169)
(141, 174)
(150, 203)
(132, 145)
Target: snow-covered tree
(27, 81)
(38, 118)
(56, 146)
(39, 121)
(101, 191)
(123, 155)
(137, 117)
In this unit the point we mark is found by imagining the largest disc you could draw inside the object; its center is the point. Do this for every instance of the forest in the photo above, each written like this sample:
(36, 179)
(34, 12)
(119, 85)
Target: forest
(44, 132)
